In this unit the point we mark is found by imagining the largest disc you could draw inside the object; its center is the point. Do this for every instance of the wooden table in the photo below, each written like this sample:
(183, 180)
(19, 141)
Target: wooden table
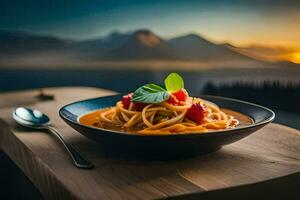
(265, 163)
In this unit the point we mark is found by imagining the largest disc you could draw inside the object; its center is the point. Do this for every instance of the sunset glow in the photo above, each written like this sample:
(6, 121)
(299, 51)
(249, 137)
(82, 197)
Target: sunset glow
(295, 57)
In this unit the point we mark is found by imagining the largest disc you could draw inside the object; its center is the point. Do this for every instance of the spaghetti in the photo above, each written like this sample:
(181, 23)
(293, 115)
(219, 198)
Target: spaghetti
(165, 118)
(152, 109)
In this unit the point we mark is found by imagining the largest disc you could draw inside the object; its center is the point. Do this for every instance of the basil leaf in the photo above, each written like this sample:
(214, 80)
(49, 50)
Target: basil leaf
(174, 83)
(150, 93)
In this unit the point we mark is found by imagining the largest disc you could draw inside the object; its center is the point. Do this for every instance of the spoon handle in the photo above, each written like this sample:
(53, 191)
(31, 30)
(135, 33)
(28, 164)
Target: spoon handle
(79, 161)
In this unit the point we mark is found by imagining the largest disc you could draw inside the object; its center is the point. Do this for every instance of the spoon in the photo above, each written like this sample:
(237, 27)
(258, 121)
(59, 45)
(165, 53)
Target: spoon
(35, 119)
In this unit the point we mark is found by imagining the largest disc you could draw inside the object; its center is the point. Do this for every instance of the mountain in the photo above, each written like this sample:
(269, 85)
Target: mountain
(20, 43)
(95, 48)
(139, 45)
(26, 49)
(194, 47)
(146, 45)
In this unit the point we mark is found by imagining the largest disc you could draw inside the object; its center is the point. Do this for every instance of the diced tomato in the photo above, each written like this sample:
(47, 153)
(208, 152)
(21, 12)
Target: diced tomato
(178, 98)
(172, 100)
(126, 100)
(181, 95)
(196, 113)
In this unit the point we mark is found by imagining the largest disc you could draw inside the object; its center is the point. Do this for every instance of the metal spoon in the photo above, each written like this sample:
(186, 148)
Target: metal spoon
(35, 119)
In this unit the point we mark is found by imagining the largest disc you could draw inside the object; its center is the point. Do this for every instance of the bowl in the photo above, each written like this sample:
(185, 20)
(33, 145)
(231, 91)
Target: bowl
(165, 146)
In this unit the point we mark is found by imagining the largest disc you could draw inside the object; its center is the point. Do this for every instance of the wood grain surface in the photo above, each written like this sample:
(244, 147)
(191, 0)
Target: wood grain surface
(269, 154)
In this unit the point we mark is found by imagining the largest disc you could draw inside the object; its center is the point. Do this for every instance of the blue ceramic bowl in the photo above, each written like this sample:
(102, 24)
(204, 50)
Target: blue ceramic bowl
(175, 145)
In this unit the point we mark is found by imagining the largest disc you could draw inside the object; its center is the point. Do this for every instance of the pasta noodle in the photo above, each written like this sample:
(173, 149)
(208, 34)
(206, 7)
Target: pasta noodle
(153, 110)
(165, 118)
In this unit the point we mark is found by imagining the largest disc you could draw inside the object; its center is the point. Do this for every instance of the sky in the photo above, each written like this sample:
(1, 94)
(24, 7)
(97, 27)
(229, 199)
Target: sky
(264, 22)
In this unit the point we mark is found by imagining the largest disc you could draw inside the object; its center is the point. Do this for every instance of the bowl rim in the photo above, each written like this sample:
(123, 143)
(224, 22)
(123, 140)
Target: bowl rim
(210, 133)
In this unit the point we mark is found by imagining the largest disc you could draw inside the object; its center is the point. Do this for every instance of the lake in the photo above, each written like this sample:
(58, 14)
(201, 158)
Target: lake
(125, 81)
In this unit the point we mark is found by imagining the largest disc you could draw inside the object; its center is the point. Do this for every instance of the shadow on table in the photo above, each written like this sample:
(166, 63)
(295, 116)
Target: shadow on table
(14, 184)
(280, 188)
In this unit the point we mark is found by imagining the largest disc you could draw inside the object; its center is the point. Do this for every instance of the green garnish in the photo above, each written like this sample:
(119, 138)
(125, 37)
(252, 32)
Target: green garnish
(150, 93)
(174, 82)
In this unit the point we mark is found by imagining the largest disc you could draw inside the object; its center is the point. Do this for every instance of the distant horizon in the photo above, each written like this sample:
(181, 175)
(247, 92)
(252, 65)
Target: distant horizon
(257, 50)
(257, 44)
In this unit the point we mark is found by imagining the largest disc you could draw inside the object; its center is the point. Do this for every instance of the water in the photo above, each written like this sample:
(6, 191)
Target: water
(127, 80)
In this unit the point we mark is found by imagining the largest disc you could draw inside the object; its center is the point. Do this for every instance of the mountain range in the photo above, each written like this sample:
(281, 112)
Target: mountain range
(139, 45)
